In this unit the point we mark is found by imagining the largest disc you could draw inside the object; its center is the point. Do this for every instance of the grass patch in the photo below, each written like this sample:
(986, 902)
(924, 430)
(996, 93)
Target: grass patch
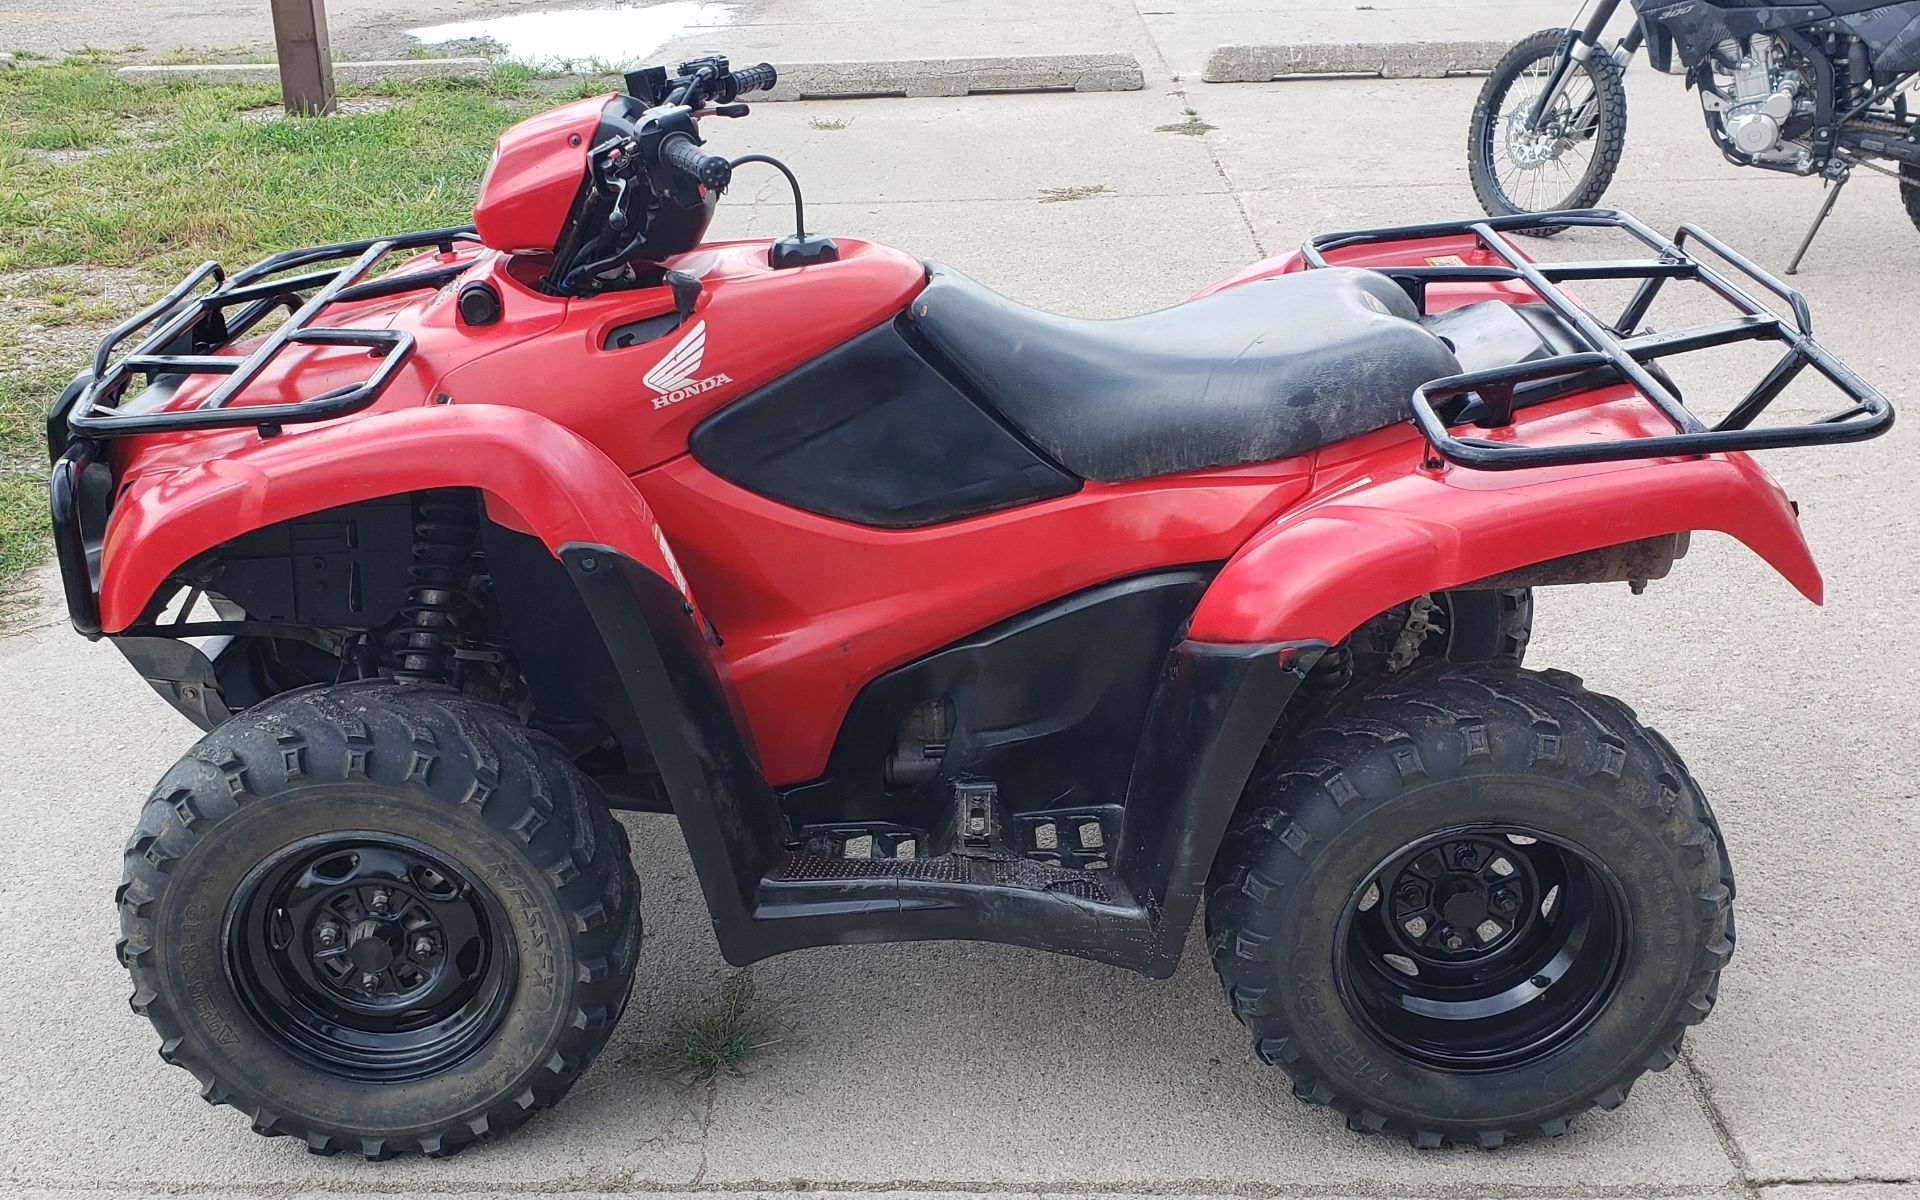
(175, 176)
(1191, 125)
(99, 172)
(718, 1039)
(1077, 192)
(23, 481)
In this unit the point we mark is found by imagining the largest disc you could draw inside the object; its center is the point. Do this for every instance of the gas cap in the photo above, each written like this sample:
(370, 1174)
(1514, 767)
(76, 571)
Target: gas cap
(479, 304)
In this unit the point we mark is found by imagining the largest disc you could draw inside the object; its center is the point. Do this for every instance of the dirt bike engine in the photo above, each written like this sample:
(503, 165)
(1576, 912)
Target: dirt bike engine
(1752, 95)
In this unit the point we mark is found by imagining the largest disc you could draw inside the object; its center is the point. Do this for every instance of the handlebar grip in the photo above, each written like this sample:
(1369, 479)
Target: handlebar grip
(679, 152)
(755, 79)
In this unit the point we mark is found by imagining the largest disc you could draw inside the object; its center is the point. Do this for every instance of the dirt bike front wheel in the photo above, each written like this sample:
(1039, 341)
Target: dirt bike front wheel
(1568, 160)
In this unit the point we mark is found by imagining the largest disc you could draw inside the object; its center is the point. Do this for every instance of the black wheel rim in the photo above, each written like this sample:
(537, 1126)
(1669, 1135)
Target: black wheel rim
(1482, 947)
(1539, 170)
(370, 955)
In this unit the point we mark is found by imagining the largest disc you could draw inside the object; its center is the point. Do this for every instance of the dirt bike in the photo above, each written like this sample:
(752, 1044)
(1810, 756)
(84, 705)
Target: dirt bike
(1810, 89)
(927, 615)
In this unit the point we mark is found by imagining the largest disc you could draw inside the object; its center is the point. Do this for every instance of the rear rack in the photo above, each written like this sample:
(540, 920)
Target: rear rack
(189, 326)
(1614, 349)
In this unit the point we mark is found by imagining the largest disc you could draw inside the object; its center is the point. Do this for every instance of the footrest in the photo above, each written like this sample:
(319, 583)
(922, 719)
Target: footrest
(976, 817)
(803, 866)
(864, 842)
(1078, 838)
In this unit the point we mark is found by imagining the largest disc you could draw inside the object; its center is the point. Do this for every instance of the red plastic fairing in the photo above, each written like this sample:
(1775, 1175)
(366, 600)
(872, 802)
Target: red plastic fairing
(558, 484)
(534, 177)
(813, 608)
(1460, 250)
(752, 324)
(1381, 528)
(546, 360)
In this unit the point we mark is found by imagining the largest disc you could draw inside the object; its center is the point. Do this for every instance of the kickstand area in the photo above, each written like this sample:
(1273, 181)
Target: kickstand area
(1837, 173)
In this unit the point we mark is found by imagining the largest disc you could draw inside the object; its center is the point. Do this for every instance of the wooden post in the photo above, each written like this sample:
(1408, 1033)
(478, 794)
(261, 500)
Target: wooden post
(306, 60)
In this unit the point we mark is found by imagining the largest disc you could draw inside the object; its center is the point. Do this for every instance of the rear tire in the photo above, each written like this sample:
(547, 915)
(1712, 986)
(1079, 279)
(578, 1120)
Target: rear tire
(1910, 191)
(379, 918)
(1594, 905)
(1505, 179)
(1485, 625)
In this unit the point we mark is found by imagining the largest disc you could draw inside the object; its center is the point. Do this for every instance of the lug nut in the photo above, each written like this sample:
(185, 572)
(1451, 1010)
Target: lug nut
(1410, 892)
(380, 901)
(328, 935)
(369, 982)
(1504, 901)
(1456, 942)
(423, 946)
(1468, 857)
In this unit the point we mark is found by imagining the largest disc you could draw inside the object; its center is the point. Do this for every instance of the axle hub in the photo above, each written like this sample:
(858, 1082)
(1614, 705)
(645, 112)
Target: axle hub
(370, 955)
(1481, 946)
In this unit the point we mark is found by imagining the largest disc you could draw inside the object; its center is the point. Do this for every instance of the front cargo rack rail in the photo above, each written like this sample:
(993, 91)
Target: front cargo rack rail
(1614, 351)
(186, 327)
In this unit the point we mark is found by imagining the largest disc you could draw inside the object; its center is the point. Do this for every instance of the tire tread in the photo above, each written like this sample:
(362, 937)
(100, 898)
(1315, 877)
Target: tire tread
(1350, 740)
(231, 766)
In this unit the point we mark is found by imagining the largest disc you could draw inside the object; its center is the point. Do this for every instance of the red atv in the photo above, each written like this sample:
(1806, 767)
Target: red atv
(926, 614)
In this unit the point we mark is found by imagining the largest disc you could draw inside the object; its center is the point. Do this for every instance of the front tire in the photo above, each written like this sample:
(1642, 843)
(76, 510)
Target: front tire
(1469, 903)
(1910, 191)
(379, 918)
(1570, 163)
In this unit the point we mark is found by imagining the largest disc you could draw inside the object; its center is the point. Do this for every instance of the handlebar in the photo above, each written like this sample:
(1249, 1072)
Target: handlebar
(679, 152)
(751, 79)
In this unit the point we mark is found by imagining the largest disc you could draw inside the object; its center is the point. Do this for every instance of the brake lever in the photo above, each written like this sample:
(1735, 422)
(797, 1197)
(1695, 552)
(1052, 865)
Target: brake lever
(618, 219)
(729, 110)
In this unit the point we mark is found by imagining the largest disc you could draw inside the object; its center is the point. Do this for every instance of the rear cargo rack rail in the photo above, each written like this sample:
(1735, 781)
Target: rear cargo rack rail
(188, 326)
(1613, 349)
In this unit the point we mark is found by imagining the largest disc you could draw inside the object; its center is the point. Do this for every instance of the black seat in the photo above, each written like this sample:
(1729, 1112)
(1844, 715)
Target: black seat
(1261, 371)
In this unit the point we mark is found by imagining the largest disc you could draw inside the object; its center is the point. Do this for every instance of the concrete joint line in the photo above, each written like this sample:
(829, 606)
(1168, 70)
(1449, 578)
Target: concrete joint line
(1722, 1132)
(1839, 1181)
(1388, 60)
(621, 1184)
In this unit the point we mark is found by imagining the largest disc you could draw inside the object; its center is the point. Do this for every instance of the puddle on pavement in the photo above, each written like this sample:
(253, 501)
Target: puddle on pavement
(612, 36)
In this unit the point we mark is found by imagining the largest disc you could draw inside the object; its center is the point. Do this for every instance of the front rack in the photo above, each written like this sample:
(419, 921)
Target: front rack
(188, 326)
(1614, 349)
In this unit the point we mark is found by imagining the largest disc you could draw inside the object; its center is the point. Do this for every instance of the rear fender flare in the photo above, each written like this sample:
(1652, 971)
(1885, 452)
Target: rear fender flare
(1373, 541)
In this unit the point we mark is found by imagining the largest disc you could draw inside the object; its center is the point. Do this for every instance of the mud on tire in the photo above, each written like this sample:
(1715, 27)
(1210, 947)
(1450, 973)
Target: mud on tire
(1353, 833)
(494, 819)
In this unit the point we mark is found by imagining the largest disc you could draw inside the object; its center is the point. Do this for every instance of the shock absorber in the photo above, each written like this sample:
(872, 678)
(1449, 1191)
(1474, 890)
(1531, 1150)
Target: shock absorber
(420, 648)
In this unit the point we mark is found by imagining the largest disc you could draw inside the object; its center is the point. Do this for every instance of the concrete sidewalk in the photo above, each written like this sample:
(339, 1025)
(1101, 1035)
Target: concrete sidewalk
(1169, 37)
(925, 1070)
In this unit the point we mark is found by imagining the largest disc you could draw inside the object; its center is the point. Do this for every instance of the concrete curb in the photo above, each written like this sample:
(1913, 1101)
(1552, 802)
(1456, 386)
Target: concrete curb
(958, 76)
(1389, 60)
(798, 81)
(373, 71)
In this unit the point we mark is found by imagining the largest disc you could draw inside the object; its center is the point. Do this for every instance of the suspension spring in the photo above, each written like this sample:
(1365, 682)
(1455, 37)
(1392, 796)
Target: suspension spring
(420, 648)
(1334, 670)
